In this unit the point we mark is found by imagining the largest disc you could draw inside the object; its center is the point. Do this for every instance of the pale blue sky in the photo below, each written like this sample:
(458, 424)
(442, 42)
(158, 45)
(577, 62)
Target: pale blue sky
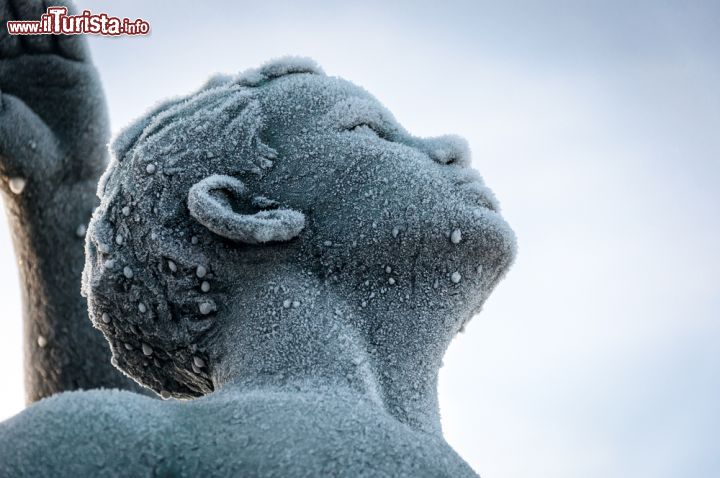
(597, 125)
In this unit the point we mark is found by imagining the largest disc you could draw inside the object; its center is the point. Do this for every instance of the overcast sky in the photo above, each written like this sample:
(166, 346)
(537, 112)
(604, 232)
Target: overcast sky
(597, 124)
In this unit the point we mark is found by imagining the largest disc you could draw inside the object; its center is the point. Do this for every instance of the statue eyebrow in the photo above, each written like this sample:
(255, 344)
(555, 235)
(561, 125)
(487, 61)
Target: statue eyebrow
(350, 112)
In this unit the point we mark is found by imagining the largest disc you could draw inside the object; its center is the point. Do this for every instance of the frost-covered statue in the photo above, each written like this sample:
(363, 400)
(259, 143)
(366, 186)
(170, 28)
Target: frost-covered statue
(278, 252)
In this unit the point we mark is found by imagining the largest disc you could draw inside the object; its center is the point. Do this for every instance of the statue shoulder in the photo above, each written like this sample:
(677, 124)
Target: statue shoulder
(80, 433)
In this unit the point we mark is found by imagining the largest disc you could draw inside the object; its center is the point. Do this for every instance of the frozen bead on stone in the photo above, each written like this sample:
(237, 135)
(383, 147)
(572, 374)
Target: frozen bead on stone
(391, 281)
(206, 308)
(388, 269)
(172, 266)
(128, 346)
(104, 248)
(205, 286)
(164, 394)
(128, 272)
(395, 231)
(200, 271)
(327, 243)
(142, 308)
(106, 318)
(17, 185)
(150, 169)
(287, 303)
(81, 230)
(296, 304)
(198, 362)
(110, 263)
(455, 277)
(126, 211)
(147, 350)
(119, 239)
(456, 236)
(194, 240)
(41, 341)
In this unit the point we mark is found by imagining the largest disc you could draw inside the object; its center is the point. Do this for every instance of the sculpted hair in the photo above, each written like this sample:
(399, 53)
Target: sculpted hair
(148, 273)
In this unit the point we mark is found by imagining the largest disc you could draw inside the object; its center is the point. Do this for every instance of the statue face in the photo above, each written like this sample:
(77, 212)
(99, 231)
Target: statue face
(394, 219)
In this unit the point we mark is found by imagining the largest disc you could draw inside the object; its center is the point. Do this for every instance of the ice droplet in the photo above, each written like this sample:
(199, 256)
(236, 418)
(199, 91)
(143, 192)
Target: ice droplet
(17, 184)
(388, 269)
(194, 240)
(200, 271)
(296, 304)
(198, 362)
(126, 211)
(455, 277)
(172, 266)
(147, 350)
(41, 341)
(81, 230)
(206, 308)
(205, 286)
(391, 281)
(128, 272)
(150, 168)
(456, 236)
(395, 231)
(164, 394)
(119, 239)
(142, 308)
(287, 303)
(106, 318)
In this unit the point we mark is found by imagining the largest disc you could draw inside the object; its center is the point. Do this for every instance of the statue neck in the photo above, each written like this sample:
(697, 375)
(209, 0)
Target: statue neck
(298, 335)
(295, 336)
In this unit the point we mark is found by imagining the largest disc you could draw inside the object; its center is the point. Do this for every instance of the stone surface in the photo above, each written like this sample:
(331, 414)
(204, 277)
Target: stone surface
(322, 226)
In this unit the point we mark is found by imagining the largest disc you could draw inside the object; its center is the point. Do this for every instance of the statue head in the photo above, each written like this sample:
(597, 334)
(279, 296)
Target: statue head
(282, 168)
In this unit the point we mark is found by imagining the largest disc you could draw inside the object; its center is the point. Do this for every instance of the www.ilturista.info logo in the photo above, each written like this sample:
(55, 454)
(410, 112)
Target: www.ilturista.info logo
(56, 21)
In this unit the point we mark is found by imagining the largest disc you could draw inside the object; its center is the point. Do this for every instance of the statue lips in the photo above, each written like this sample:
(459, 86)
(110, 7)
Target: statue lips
(470, 181)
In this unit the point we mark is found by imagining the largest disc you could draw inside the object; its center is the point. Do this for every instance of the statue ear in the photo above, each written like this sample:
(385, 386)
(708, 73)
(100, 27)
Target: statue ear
(209, 204)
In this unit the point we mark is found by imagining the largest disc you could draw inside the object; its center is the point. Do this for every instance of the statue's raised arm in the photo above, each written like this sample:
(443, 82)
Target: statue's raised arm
(53, 136)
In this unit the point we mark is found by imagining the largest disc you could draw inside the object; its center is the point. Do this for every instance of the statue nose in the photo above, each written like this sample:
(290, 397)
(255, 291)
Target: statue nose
(448, 150)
